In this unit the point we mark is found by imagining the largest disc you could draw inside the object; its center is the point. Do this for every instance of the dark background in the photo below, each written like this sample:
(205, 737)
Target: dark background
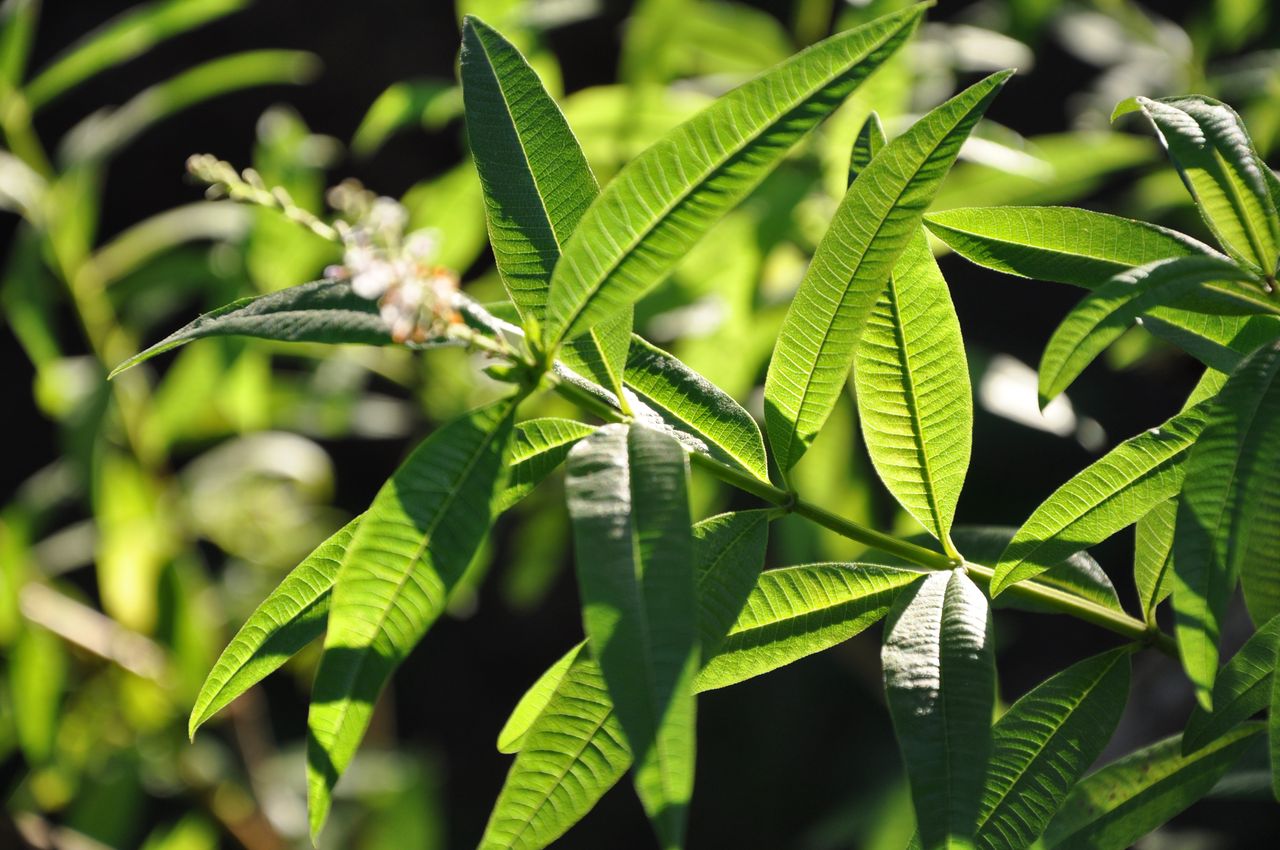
(821, 752)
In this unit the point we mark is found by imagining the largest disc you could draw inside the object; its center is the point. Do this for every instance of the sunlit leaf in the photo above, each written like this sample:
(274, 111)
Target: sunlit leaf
(665, 199)
(939, 672)
(535, 700)
(537, 186)
(873, 224)
(1110, 310)
(121, 39)
(1113, 492)
(693, 405)
(1213, 153)
(1044, 743)
(409, 550)
(1228, 523)
(538, 446)
(429, 103)
(1153, 556)
(292, 616)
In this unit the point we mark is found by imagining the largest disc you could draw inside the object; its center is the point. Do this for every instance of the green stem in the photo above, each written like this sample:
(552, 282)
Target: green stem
(1056, 600)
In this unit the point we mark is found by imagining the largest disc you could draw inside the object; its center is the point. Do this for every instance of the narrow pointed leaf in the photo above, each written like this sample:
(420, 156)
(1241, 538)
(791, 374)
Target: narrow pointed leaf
(633, 547)
(795, 612)
(538, 446)
(291, 617)
(665, 199)
(536, 183)
(939, 672)
(1228, 522)
(321, 311)
(693, 405)
(1153, 557)
(574, 751)
(914, 399)
(1044, 743)
(1241, 690)
(409, 550)
(1062, 244)
(1110, 310)
(866, 145)
(1113, 492)
(1115, 806)
(1273, 734)
(535, 701)
(1210, 147)
(873, 224)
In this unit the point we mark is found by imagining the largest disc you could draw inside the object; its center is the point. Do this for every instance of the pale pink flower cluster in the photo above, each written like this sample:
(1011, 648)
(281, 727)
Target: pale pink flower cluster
(415, 296)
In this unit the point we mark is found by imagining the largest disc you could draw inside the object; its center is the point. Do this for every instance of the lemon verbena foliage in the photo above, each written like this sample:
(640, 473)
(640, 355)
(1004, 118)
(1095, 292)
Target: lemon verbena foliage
(673, 603)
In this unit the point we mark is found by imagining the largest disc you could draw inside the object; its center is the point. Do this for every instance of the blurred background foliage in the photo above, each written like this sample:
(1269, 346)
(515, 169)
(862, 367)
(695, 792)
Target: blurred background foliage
(142, 520)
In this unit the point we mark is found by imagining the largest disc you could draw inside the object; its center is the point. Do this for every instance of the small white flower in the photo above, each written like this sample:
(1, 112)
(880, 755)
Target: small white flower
(375, 279)
(420, 246)
(388, 216)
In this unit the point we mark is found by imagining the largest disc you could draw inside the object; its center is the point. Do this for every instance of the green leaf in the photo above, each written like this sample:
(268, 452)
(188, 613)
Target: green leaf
(107, 132)
(729, 551)
(409, 550)
(574, 751)
(18, 20)
(1111, 309)
(535, 701)
(429, 103)
(1044, 743)
(1211, 149)
(538, 446)
(1113, 807)
(121, 39)
(795, 612)
(1273, 734)
(1153, 557)
(321, 311)
(939, 673)
(1241, 690)
(691, 404)
(633, 544)
(914, 398)
(1062, 244)
(1228, 523)
(665, 199)
(866, 145)
(37, 672)
(1113, 492)
(537, 186)
(292, 616)
(873, 224)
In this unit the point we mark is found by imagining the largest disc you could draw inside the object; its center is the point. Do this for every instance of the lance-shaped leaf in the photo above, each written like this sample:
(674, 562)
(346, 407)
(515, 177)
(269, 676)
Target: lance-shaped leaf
(694, 406)
(1210, 147)
(535, 701)
(1242, 689)
(537, 185)
(409, 551)
(914, 399)
(633, 545)
(866, 145)
(873, 224)
(1110, 310)
(1228, 521)
(1113, 492)
(939, 673)
(291, 617)
(1115, 806)
(325, 311)
(572, 749)
(665, 199)
(795, 612)
(1044, 743)
(1153, 557)
(538, 446)
(1062, 244)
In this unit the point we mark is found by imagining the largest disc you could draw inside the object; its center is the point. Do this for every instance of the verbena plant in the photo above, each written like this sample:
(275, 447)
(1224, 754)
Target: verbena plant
(672, 607)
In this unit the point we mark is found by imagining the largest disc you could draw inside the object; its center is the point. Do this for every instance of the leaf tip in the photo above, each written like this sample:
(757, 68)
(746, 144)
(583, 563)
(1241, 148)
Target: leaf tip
(1124, 107)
